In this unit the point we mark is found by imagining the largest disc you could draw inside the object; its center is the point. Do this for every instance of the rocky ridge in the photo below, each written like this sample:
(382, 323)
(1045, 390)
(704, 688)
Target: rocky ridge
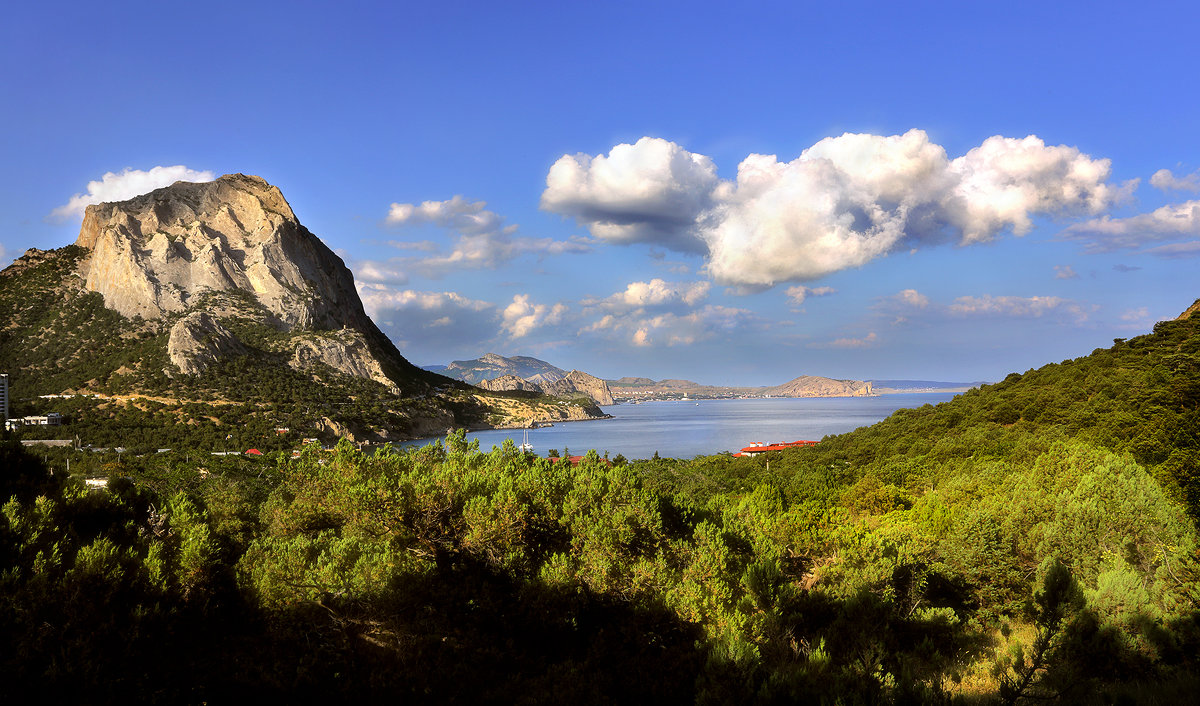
(580, 382)
(491, 366)
(168, 252)
(640, 388)
(509, 383)
(574, 383)
(157, 253)
(815, 386)
(197, 341)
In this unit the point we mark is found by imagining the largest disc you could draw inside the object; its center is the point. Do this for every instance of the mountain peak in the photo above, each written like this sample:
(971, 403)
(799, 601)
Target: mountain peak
(157, 253)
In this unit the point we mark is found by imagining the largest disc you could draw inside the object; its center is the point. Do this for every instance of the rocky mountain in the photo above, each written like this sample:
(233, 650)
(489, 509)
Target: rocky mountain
(169, 251)
(580, 382)
(639, 388)
(815, 386)
(158, 253)
(886, 387)
(630, 381)
(492, 366)
(573, 384)
(509, 383)
(522, 372)
(213, 293)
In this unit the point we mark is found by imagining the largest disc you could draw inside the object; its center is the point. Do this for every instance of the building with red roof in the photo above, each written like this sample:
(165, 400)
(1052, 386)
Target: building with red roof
(759, 447)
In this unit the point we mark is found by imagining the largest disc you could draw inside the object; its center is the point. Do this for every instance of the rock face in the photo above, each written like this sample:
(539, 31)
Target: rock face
(157, 253)
(1190, 311)
(345, 351)
(213, 249)
(507, 383)
(577, 382)
(816, 386)
(590, 385)
(198, 340)
(573, 383)
(492, 366)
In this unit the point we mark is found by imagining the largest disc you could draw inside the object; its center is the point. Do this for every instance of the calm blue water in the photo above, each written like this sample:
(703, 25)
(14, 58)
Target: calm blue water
(703, 427)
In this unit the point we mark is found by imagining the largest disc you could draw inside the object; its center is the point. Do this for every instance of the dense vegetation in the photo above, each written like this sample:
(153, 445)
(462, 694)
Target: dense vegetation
(1034, 539)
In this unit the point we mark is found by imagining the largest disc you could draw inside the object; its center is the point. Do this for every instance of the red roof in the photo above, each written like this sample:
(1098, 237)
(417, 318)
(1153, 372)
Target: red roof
(575, 460)
(253, 452)
(759, 447)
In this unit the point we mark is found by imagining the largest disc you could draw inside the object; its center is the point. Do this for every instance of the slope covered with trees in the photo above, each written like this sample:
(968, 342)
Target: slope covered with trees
(1033, 539)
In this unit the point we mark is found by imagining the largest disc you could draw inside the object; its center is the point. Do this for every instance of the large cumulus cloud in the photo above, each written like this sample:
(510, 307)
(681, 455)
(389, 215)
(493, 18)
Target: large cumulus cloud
(843, 202)
(652, 191)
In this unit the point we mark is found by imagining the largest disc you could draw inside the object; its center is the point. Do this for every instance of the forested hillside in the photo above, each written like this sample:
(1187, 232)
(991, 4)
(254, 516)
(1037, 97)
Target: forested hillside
(1030, 540)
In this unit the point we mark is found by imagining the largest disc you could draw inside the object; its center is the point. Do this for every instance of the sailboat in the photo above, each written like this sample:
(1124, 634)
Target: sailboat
(525, 446)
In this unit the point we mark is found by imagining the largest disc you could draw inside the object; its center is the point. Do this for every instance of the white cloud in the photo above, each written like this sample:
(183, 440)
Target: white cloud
(481, 238)
(644, 299)
(1135, 315)
(799, 293)
(378, 297)
(433, 325)
(910, 307)
(911, 298)
(378, 272)
(842, 203)
(420, 245)
(652, 191)
(126, 185)
(1065, 272)
(1176, 250)
(902, 305)
(657, 292)
(1108, 234)
(864, 342)
(458, 214)
(669, 328)
(521, 317)
(1020, 307)
(1164, 179)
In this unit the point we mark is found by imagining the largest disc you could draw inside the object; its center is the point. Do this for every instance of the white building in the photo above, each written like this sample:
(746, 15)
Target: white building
(53, 419)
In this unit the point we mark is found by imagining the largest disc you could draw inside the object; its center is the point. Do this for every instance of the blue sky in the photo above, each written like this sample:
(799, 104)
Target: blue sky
(735, 194)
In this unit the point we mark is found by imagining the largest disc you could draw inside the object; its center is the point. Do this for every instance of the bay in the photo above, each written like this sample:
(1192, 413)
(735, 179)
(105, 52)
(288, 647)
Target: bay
(685, 429)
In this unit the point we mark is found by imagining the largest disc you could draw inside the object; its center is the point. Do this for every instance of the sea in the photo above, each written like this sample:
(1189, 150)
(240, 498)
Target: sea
(690, 428)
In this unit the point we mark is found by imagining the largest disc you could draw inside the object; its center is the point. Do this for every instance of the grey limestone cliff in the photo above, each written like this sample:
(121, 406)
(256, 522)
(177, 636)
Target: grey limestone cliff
(198, 340)
(506, 383)
(157, 253)
(193, 248)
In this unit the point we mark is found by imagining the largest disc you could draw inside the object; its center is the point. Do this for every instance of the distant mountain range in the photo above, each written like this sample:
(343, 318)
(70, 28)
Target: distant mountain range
(498, 372)
(492, 366)
(884, 387)
(525, 374)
